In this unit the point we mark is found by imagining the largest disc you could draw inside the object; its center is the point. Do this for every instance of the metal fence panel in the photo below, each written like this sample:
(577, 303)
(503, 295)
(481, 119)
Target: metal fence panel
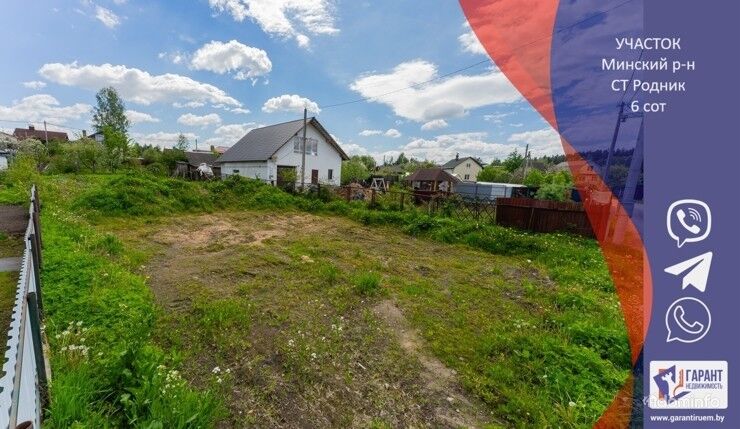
(20, 390)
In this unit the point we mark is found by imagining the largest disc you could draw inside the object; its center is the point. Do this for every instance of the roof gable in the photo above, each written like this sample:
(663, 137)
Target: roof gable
(455, 162)
(261, 143)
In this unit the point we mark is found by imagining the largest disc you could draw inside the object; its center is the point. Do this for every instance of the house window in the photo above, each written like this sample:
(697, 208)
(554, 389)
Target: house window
(235, 171)
(468, 165)
(330, 174)
(312, 145)
(467, 177)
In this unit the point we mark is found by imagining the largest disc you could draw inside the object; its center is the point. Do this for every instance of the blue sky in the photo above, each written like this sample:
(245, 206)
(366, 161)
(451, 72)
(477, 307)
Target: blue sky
(213, 69)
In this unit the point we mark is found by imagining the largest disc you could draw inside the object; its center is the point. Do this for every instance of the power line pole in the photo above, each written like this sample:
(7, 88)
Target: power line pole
(303, 154)
(46, 134)
(526, 161)
(620, 119)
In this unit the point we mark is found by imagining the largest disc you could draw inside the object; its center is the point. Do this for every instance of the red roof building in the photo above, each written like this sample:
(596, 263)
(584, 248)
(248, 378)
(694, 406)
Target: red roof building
(33, 133)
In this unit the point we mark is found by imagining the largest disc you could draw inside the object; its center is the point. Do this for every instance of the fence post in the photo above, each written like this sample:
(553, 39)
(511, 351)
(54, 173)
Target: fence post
(348, 193)
(38, 345)
(372, 198)
(402, 195)
(531, 218)
(35, 256)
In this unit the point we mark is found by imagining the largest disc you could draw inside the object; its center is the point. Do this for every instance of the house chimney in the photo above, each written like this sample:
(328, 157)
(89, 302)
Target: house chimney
(457, 156)
(31, 128)
(84, 133)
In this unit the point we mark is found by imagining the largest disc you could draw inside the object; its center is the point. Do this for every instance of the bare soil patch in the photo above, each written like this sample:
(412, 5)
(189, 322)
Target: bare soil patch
(250, 292)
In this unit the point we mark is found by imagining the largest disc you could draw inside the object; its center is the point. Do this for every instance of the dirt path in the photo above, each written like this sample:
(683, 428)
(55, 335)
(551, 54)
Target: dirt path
(455, 408)
(13, 219)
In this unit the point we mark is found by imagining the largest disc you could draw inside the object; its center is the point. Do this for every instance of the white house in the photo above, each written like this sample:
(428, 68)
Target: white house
(274, 153)
(465, 169)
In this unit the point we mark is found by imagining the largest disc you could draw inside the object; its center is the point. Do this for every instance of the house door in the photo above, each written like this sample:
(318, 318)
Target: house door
(314, 177)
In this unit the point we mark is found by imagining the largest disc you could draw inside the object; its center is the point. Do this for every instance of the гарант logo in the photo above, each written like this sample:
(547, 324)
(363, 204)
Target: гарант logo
(688, 385)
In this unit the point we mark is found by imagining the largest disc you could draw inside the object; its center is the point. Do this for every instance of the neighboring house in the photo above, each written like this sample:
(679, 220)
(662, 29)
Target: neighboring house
(273, 154)
(197, 161)
(219, 149)
(432, 179)
(98, 137)
(41, 135)
(466, 169)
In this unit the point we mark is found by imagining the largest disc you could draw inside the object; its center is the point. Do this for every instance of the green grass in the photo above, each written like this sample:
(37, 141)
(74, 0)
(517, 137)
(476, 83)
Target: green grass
(8, 289)
(530, 322)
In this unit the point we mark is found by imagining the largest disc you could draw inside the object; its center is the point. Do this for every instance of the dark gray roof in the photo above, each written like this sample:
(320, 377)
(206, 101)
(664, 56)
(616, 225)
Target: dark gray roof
(197, 158)
(455, 162)
(431, 175)
(261, 143)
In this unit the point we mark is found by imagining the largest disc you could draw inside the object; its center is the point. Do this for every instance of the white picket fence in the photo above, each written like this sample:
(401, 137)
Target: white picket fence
(24, 382)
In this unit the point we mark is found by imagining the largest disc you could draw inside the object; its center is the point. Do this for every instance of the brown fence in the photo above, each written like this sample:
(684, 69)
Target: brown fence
(543, 216)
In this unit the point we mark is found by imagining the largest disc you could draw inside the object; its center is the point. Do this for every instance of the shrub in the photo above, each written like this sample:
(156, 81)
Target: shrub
(157, 169)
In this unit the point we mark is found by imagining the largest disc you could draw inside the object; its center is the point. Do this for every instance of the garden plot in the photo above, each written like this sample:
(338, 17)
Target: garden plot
(299, 320)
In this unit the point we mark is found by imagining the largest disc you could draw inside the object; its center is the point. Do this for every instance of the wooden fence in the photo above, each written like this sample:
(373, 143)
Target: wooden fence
(543, 215)
(23, 386)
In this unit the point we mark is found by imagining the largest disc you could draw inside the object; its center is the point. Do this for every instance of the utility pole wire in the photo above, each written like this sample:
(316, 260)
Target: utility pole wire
(303, 154)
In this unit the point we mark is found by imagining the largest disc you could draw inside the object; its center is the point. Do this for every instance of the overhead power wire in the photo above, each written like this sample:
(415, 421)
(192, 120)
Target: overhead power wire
(468, 67)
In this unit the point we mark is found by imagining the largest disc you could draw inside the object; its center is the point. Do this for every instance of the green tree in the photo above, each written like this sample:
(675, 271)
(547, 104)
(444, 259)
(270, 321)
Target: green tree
(367, 160)
(183, 143)
(110, 112)
(116, 144)
(353, 170)
(401, 160)
(535, 178)
(513, 161)
(553, 191)
(494, 173)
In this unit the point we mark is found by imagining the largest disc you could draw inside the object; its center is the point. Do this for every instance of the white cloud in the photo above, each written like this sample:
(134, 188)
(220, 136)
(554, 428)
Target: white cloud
(107, 17)
(435, 124)
(192, 120)
(445, 98)
(176, 57)
(232, 57)
(241, 111)
(283, 18)
(162, 139)
(190, 105)
(541, 142)
(34, 84)
(470, 43)
(227, 135)
(353, 149)
(120, 2)
(43, 107)
(139, 117)
(496, 118)
(290, 103)
(392, 133)
(445, 147)
(136, 85)
(303, 40)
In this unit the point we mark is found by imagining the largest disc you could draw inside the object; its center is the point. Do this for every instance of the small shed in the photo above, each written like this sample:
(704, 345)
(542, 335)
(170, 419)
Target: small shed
(432, 179)
(198, 165)
(488, 190)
